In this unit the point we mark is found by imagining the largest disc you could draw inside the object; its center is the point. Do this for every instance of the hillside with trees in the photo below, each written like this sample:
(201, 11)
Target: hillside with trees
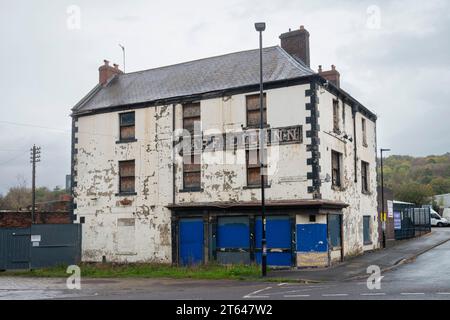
(415, 179)
(19, 197)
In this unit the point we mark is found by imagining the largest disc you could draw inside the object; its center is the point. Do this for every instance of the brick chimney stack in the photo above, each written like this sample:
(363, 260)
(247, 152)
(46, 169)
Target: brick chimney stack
(332, 75)
(106, 72)
(296, 43)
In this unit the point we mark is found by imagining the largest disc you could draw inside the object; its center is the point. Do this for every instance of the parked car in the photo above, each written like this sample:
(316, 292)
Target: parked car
(437, 220)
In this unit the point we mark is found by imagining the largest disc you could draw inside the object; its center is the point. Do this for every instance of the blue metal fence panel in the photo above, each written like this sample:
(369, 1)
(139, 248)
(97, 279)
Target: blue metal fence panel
(278, 235)
(59, 244)
(14, 248)
(191, 237)
(40, 246)
(312, 237)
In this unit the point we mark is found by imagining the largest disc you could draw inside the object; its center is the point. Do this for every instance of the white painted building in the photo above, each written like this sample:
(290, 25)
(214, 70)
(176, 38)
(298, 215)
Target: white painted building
(140, 200)
(442, 200)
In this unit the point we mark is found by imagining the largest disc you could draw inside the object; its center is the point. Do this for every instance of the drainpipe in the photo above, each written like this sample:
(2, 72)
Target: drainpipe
(173, 154)
(354, 110)
(173, 220)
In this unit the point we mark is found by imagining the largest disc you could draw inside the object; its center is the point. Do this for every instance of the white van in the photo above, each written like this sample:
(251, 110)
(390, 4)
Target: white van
(437, 220)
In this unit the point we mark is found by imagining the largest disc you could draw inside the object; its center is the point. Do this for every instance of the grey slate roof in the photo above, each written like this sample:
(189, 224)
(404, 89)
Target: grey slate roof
(228, 71)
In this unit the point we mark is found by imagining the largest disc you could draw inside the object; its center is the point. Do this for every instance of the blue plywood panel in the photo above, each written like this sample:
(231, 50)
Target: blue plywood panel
(191, 241)
(233, 233)
(276, 259)
(278, 235)
(278, 232)
(312, 237)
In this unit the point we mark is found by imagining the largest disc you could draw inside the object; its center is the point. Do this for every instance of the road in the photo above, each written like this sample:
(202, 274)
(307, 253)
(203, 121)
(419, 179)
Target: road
(428, 277)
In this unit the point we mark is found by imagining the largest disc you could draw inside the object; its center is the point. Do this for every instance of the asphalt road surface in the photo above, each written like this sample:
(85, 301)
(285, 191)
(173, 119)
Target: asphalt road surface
(428, 277)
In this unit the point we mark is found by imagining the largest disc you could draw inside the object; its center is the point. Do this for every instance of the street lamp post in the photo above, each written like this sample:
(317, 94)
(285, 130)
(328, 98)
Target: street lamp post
(383, 223)
(260, 27)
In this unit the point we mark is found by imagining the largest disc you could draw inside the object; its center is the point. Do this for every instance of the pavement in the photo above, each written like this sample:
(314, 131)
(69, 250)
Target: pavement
(356, 267)
(415, 269)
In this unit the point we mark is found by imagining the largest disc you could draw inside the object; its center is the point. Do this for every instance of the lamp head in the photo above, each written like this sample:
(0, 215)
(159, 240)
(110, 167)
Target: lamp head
(260, 26)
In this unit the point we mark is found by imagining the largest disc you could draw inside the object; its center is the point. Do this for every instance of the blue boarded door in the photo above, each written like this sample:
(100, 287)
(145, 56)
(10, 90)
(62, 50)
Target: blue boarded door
(279, 240)
(233, 240)
(191, 239)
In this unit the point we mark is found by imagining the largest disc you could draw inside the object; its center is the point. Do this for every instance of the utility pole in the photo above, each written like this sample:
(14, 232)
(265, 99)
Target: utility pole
(383, 216)
(260, 27)
(35, 157)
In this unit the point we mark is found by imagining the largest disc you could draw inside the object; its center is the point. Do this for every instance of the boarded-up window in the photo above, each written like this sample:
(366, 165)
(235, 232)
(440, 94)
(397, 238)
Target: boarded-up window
(336, 116)
(126, 236)
(364, 132)
(191, 162)
(127, 126)
(254, 168)
(336, 159)
(366, 230)
(365, 176)
(191, 171)
(191, 117)
(334, 229)
(253, 112)
(126, 176)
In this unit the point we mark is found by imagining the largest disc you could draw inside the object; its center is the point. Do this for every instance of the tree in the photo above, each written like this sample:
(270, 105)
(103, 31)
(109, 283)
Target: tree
(414, 193)
(440, 185)
(16, 198)
(20, 196)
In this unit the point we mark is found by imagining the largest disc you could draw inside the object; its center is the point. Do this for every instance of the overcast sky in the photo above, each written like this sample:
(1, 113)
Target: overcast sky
(393, 56)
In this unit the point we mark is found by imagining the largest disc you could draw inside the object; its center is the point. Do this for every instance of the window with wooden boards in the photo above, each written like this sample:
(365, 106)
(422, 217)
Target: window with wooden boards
(127, 126)
(191, 161)
(336, 159)
(253, 112)
(365, 176)
(336, 127)
(126, 176)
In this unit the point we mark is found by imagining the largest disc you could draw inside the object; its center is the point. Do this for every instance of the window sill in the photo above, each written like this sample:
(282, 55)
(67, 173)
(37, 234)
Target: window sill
(256, 187)
(125, 194)
(266, 126)
(367, 193)
(368, 243)
(186, 190)
(126, 141)
(365, 145)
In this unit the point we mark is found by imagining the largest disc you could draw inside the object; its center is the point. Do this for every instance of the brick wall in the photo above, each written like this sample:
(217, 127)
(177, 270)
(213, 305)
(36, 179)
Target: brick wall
(20, 219)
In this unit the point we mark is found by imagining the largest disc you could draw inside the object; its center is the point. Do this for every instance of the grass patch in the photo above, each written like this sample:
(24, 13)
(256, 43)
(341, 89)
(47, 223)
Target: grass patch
(112, 270)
